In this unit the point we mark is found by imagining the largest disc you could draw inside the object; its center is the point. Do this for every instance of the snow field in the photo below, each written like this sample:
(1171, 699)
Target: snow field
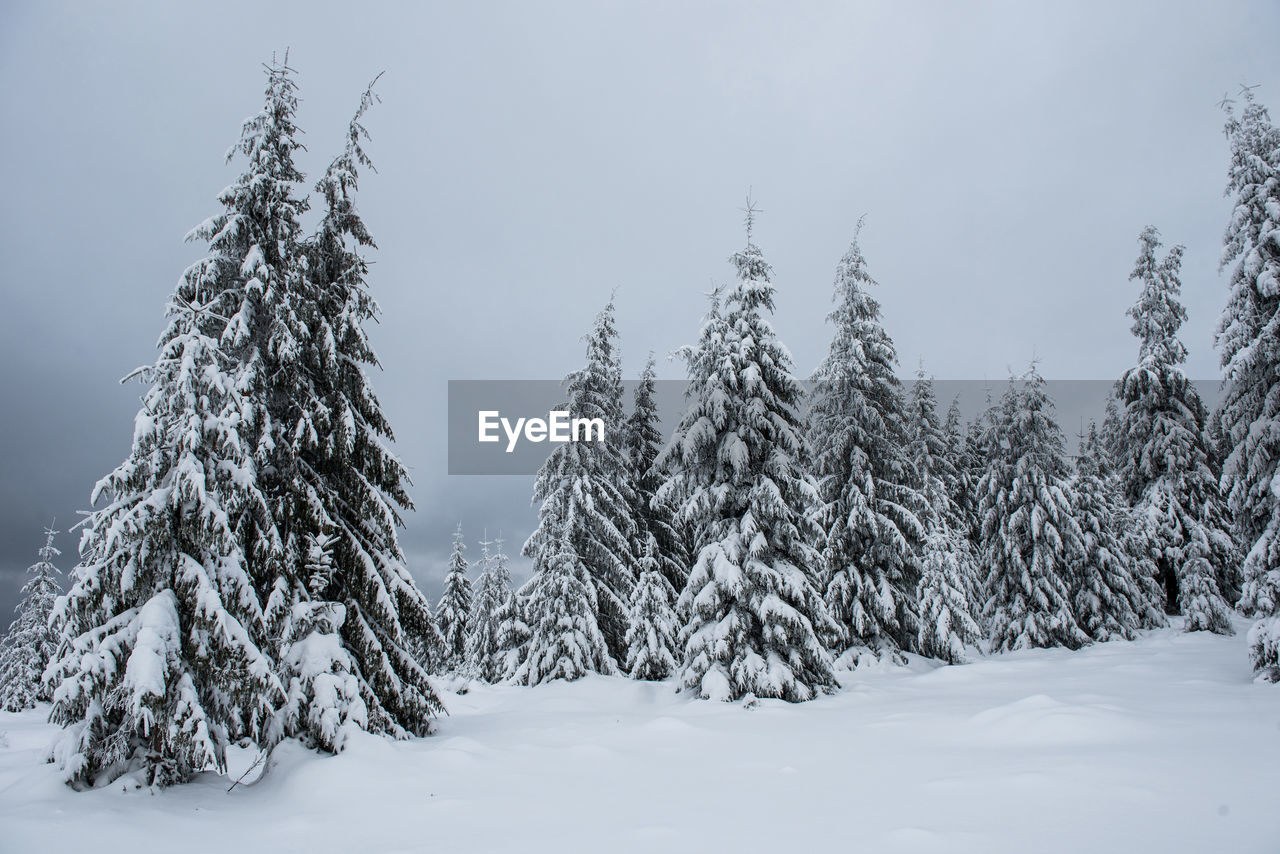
(1162, 744)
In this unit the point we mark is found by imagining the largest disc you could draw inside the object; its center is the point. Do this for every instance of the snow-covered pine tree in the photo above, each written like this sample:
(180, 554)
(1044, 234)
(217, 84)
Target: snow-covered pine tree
(1110, 437)
(493, 598)
(454, 611)
(1164, 463)
(755, 624)
(586, 499)
(977, 459)
(565, 641)
(29, 645)
(653, 632)
(1029, 533)
(653, 515)
(1249, 346)
(161, 664)
(928, 452)
(1202, 607)
(704, 361)
(961, 488)
(869, 504)
(946, 618)
(945, 591)
(1109, 596)
(329, 469)
(323, 704)
(514, 631)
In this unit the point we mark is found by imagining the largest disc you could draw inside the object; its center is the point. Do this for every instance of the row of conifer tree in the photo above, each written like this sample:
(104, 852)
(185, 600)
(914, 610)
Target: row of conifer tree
(240, 579)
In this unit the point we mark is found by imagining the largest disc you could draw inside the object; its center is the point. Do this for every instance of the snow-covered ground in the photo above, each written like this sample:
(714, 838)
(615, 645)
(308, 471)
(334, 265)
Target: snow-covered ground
(1164, 745)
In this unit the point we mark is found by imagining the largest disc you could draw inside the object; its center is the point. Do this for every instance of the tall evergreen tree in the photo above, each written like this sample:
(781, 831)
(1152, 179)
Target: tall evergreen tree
(514, 631)
(945, 593)
(1029, 532)
(329, 471)
(928, 452)
(978, 456)
(1110, 437)
(704, 361)
(946, 611)
(754, 621)
(161, 663)
(1165, 465)
(565, 641)
(652, 515)
(244, 562)
(586, 498)
(962, 486)
(29, 645)
(654, 627)
(869, 504)
(493, 598)
(1249, 343)
(1110, 597)
(454, 610)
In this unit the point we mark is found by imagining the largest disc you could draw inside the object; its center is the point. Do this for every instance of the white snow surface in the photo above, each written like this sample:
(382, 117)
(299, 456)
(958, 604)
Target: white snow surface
(1161, 744)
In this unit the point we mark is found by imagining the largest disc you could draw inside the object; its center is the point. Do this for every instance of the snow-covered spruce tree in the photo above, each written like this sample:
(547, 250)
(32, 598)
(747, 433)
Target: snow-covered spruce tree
(1110, 437)
(161, 664)
(323, 704)
(454, 611)
(653, 515)
(869, 503)
(1249, 343)
(704, 360)
(326, 467)
(946, 618)
(514, 632)
(565, 641)
(928, 450)
(755, 624)
(962, 486)
(585, 494)
(1029, 533)
(945, 591)
(1164, 464)
(1109, 596)
(977, 459)
(493, 597)
(29, 645)
(1202, 606)
(654, 628)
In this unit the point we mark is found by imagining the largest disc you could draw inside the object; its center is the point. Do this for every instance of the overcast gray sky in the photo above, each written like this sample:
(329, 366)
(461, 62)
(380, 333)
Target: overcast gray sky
(534, 156)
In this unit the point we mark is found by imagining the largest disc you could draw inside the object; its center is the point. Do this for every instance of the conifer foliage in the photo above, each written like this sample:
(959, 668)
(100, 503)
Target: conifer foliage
(241, 577)
(162, 662)
(454, 610)
(654, 628)
(585, 527)
(869, 502)
(946, 613)
(494, 601)
(1112, 599)
(1030, 536)
(565, 641)
(335, 473)
(31, 641)
(1165, 465)
(653, 515)
(755, 623)
(1249, 344)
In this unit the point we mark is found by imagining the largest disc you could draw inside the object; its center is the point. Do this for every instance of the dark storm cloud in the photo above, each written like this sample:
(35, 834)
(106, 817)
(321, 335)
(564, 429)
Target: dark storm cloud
(533, 157)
